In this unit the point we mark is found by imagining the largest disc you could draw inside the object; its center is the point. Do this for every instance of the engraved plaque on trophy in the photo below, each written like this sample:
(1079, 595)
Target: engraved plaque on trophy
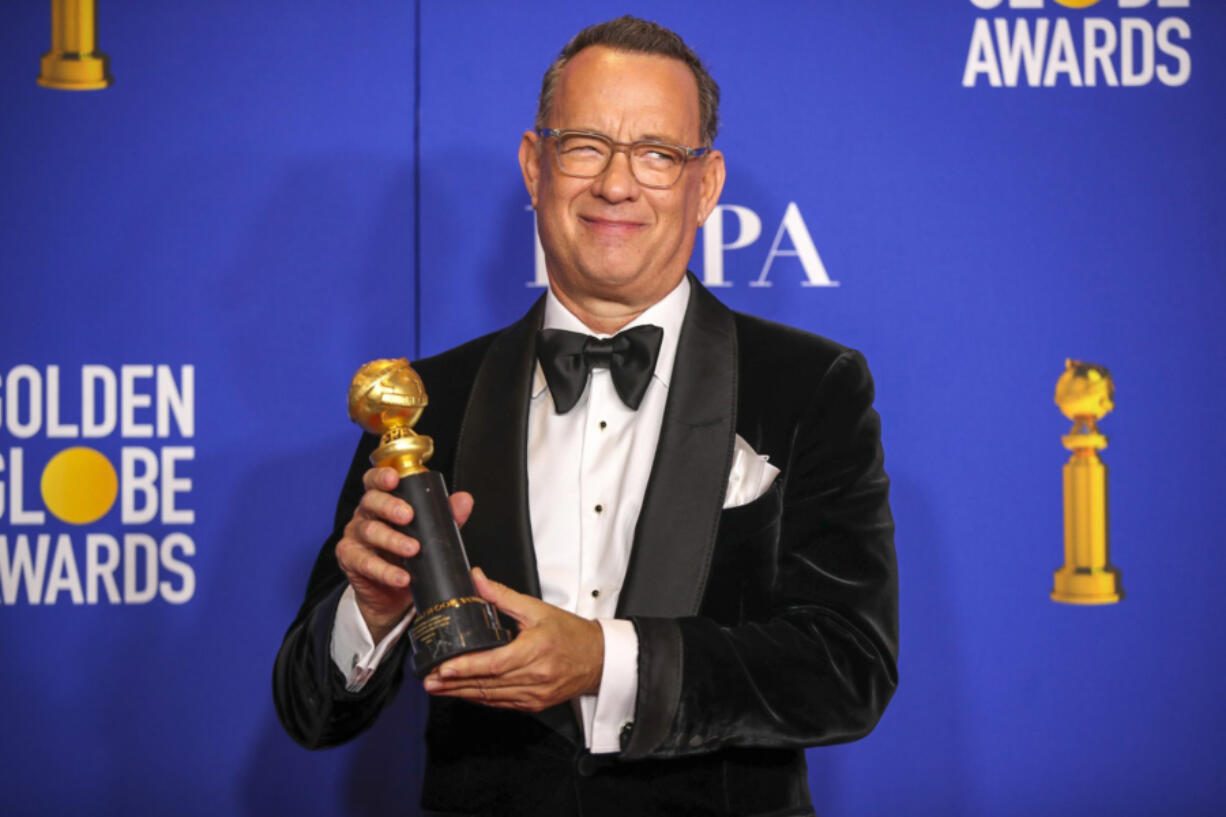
(387, 398)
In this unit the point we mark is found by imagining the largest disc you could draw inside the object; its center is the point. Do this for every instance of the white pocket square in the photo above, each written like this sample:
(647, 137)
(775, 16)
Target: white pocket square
(750, 476)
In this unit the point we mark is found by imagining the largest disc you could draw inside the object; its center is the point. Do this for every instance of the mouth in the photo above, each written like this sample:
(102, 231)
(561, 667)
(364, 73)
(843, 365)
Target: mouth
(611, 226)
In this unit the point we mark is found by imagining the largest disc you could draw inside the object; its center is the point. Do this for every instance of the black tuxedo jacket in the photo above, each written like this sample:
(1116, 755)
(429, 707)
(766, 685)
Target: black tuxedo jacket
(762, 629)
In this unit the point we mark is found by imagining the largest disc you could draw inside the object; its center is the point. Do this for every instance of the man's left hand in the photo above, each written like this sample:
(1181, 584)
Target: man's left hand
(555, 657)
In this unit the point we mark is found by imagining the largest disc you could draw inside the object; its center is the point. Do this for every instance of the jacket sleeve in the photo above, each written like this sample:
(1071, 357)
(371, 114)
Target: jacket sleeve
(308, 689)
(816, 662)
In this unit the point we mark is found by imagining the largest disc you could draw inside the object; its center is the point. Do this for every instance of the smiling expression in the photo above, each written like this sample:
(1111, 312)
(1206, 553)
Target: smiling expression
(610, 242)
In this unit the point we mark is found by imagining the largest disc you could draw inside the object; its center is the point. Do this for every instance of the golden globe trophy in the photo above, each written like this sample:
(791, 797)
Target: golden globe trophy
(1085, 393)
(387, 398)
(74, 62)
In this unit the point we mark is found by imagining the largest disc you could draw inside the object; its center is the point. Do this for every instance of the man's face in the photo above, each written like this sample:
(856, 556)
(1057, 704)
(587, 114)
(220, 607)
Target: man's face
(610, 239)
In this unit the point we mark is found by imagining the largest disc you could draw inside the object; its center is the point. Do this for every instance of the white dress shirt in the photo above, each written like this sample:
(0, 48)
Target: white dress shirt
(587, 475)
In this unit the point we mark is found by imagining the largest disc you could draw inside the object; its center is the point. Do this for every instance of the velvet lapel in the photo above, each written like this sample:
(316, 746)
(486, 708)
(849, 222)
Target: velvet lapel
(685, 493)
(491, 458)
(491, 463)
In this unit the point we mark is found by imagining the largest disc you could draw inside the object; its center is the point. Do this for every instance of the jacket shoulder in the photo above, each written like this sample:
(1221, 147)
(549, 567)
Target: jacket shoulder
(776, 346)
(785, 374)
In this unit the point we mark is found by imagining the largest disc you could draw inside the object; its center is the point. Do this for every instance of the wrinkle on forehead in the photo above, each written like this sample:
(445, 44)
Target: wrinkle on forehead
(628, 96)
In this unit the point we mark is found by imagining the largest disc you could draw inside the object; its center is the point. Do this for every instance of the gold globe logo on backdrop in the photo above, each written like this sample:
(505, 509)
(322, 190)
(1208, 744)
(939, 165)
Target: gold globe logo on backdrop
(1085, 393)
(79, 485)
(74, 62)
(113, 525)
(1115, 43)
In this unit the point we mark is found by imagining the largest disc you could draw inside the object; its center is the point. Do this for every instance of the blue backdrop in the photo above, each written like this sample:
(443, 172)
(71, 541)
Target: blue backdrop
(272, 193)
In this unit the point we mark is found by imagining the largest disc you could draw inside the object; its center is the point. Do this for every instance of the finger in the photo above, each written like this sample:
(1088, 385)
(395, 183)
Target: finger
(526, 610)
(523, 699)
(376, 503)
(494, 684)
(483, 678)
(358, 561)
(500, 662)
(461, 506)
(375, 533)
(380, 479)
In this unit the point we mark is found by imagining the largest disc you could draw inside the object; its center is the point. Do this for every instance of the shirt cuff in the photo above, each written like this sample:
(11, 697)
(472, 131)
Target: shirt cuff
(619, 683)
(353, 649)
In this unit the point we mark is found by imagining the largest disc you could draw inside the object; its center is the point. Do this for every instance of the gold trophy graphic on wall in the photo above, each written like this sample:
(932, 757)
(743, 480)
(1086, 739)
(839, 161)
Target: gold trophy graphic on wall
(1085, 393)
(74, 62)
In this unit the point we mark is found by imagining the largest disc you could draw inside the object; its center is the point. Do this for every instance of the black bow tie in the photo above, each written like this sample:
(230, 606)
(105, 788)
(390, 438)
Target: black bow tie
(568, 357)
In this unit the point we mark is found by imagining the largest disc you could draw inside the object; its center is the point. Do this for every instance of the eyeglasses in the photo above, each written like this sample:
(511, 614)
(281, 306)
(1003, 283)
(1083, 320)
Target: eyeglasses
(586, 155)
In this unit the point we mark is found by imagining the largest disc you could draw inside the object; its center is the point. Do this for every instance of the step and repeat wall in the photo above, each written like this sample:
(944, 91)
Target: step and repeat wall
(197, 258)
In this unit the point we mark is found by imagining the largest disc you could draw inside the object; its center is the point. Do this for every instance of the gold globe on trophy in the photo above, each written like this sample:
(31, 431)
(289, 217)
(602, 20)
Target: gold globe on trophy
(387, 398)
(1085, 393)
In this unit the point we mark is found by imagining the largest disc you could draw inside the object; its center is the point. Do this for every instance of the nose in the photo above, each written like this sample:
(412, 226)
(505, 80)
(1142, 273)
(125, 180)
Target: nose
(617, 182)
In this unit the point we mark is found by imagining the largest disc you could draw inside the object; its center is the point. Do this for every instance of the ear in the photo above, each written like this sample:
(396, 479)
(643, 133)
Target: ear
(530, 163)
(712, 184)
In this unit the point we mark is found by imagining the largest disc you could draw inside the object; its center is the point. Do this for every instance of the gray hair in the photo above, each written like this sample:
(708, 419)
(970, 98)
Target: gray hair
(645, 37)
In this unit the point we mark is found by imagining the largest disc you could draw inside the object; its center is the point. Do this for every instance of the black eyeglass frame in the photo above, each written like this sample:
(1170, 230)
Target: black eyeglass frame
(687, 153)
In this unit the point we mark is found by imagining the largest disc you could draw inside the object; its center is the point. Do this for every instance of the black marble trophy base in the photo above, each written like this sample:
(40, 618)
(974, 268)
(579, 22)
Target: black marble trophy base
(451, 618)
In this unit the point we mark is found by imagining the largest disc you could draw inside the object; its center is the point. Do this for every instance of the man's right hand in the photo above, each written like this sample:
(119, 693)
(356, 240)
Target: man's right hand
(372, 551)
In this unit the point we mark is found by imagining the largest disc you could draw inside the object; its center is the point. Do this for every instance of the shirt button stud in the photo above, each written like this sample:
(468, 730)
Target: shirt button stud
(600, 509)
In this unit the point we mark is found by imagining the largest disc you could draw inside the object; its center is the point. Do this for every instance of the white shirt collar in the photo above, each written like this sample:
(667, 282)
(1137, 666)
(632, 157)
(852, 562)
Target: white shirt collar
(668, 313)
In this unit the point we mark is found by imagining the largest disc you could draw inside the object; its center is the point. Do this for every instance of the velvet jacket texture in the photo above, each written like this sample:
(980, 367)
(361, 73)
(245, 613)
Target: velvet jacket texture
(763, 629)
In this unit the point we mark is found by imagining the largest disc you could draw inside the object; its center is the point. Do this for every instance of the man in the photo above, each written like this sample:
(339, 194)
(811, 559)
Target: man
(699, 560)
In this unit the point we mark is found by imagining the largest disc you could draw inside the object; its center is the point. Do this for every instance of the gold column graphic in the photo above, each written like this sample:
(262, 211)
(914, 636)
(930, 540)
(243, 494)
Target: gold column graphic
(1085, 393)
(74, 62)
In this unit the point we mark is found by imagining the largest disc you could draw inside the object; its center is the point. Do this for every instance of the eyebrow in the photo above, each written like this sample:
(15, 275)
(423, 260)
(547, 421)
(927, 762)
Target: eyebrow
(647, 137)
(652, 137)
